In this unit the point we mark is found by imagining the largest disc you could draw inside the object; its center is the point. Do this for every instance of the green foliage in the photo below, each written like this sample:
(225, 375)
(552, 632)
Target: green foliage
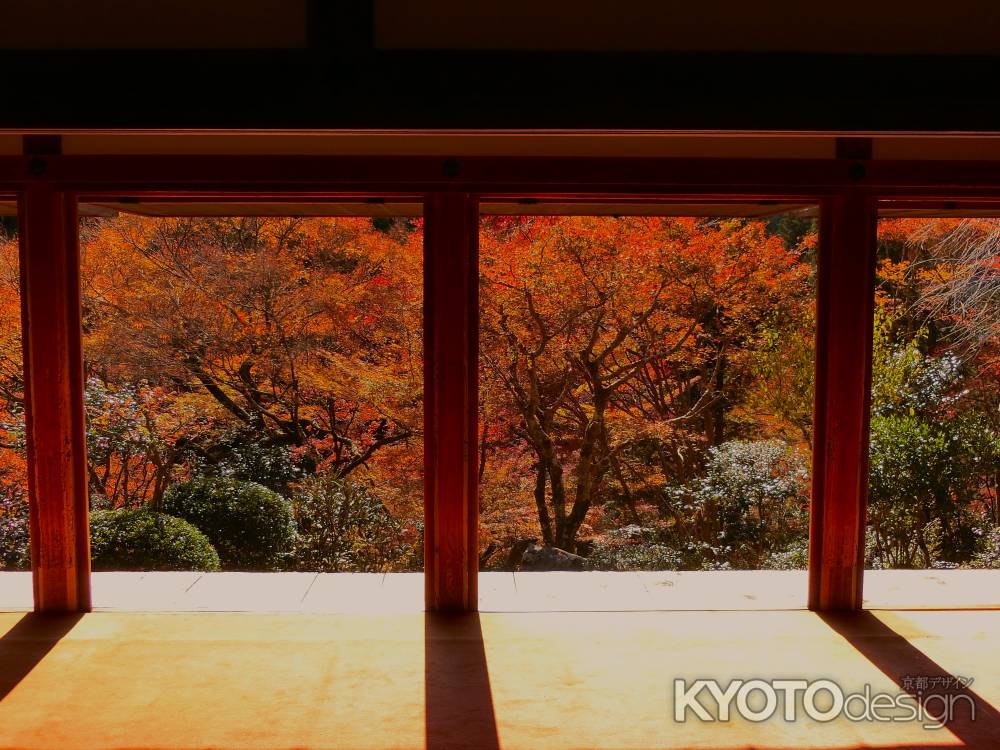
(245, 457)
(782, 366)
(929, 454)
(988, 555)
(751, 500)
(143, 539)
(8, 227)
(794, 557)
(14, 530)
(251, 526)
(923, 476)
(634, 547)
(398, 226)
(792, 229)
(343, 527)
(904, 379)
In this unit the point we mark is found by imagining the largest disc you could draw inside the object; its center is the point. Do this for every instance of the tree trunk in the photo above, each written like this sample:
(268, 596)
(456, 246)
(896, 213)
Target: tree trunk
(590, 470)
(544, 520)
(563, 539)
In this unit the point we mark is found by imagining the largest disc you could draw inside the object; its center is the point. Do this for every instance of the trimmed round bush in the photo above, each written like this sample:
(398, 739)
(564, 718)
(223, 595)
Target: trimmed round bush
(251, 526)
(143, 539)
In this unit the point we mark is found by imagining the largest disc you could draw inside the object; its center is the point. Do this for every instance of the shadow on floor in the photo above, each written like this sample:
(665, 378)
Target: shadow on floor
(903, 663)
(458, 697)
(27, 643)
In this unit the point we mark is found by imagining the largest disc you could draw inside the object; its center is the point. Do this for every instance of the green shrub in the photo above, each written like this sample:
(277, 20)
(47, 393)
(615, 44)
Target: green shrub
(794, 557)
(933, 449)
(635, 547)
(143, 539)
(620, 549)
(752, 500)
(925, 478)
(988, 555)
(242, 455)
(343, 527)
(250, 525)
(14, 543)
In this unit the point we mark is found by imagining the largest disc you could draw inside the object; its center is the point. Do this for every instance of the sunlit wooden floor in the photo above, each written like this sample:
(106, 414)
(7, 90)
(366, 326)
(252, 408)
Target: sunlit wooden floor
(511, 680)
(512, 592)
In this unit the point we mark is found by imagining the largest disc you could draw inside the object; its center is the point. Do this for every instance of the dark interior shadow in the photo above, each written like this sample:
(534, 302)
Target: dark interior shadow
(457, 693)
(901, 661)
(27, 643)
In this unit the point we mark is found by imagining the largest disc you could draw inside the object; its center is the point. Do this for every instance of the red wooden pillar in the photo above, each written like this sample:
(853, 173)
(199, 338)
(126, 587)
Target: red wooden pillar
(451, 385)
(845, 308)
(53, 396)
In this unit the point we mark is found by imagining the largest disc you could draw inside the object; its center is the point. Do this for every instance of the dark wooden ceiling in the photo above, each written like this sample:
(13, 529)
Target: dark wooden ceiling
(788, 66)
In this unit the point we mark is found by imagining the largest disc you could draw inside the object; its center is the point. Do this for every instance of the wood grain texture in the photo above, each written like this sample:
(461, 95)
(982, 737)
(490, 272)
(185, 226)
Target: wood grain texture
(451, 379)
(845, 309)
(520, 681)
(53, 394)
(847, 190)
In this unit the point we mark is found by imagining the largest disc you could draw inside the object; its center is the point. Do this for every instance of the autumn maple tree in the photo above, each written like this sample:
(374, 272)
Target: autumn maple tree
(618, 340)
(13, 460)
(645, 384)
(303, 333)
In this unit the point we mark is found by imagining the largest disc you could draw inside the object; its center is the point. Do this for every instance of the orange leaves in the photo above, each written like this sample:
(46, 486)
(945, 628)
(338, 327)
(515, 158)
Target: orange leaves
(13, 462)
(303, 331)
(606, 334)
(587, 283)
(914, 229)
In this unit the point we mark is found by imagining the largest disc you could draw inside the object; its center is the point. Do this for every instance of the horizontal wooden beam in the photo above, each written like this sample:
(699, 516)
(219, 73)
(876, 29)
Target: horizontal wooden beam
(847, 191)
(489, 177)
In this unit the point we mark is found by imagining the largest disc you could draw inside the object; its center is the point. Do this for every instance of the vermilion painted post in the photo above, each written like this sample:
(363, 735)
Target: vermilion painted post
(451, 383)
(53, 396)
(845, 308)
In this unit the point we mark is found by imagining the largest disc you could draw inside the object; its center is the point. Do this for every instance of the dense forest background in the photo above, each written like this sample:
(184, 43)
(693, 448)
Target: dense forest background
(254, 393)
